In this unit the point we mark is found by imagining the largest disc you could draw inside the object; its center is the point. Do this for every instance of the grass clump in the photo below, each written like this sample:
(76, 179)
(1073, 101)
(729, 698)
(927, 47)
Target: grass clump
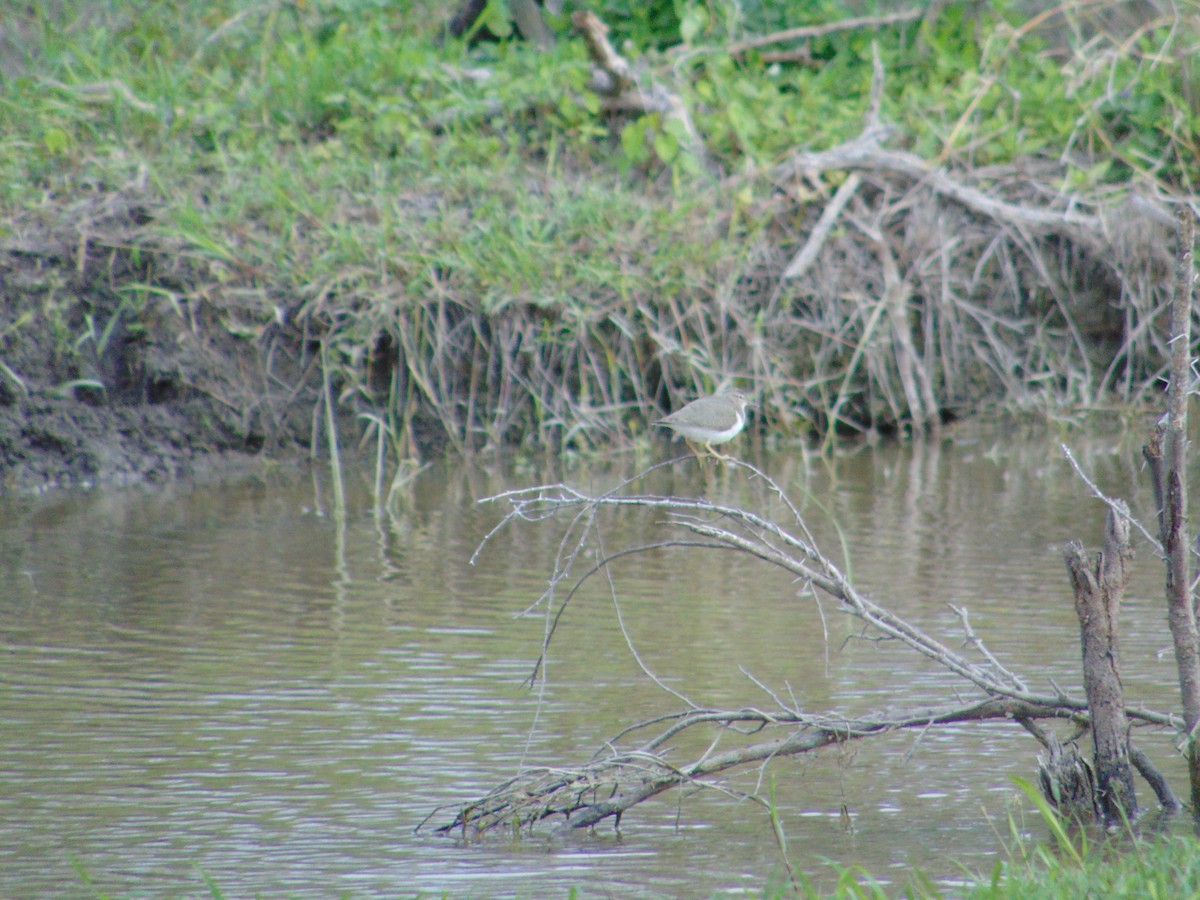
(1166, 866)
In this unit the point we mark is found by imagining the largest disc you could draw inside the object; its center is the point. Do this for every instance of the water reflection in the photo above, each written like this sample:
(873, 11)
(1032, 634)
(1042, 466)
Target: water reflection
(220, 681)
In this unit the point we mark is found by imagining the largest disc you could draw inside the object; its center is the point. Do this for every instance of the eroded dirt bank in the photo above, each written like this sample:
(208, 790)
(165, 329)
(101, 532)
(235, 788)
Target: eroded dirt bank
(105, 382)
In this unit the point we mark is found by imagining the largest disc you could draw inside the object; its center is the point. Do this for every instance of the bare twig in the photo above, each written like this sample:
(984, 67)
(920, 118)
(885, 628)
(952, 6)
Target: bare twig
(804, 32)
(974, 640)
(1117, 506)
(816, 238)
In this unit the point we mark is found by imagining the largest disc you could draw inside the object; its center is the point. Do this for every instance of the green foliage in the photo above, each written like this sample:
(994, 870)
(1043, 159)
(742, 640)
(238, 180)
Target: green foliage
(653, 24)
(1158, 866)
(1163, 866)
(221, 79)
(1120, 865)
(332, 159)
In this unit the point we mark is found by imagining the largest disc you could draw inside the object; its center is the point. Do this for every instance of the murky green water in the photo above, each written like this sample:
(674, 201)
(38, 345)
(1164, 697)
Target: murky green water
(221, 681)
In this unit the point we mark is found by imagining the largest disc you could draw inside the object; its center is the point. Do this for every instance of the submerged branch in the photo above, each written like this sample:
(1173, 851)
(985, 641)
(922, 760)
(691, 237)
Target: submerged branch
(609, 785)
(630, 768)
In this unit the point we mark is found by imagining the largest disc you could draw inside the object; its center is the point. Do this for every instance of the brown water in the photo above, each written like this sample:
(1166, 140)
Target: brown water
(223, 682)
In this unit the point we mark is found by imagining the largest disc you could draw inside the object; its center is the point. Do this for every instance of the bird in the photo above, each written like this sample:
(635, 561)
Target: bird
(710, 420)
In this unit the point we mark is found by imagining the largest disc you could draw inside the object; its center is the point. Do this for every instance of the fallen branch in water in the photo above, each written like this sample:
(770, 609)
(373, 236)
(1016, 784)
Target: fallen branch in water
(627, 771)
(617, 780)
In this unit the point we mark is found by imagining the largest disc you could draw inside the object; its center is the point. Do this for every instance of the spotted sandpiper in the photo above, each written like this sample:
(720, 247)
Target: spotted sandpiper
(710, 420)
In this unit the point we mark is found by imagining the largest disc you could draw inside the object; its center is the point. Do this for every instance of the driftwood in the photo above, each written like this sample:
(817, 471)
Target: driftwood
(632, 767)
(619, 779)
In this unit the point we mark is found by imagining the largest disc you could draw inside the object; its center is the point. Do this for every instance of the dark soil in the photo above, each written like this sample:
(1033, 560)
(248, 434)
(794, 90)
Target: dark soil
(102, 383)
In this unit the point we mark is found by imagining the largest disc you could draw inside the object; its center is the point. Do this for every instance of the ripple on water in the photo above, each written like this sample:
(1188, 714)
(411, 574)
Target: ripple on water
(221, 682)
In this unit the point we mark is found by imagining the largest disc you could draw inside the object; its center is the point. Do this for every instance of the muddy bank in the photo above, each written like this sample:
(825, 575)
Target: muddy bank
(106, 382)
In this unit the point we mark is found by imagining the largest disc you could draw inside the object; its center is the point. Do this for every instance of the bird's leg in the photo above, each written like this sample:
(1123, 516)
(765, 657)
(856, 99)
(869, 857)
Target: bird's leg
(717, 457)
(695, 450)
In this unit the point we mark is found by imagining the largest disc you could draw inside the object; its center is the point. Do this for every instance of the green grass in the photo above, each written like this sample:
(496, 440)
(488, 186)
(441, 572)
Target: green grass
(1069, 864)
(1157, 868)
(487, 256)
(1166, 866)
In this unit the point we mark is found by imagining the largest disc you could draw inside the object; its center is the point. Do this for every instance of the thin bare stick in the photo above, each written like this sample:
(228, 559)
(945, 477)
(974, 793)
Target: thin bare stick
(804, 32)
(1113, 504)
(974, 640)
(808, 254)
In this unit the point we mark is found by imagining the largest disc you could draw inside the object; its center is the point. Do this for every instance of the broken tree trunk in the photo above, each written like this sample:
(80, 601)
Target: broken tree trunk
(1098, 595)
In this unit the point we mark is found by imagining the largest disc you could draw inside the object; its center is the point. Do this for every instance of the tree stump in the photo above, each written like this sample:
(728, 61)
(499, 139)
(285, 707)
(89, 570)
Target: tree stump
(1098, 595)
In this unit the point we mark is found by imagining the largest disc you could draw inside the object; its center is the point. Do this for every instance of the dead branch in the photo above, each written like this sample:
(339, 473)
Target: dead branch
(1158, 783)
(816, 238)
(1113, 504)
(620, 779)
(615, 74)
(974, 640)
(915, 381)
(1166, 454)
(613, 79)
(806, 32)
(797, 55)
(1098, 592)
(866, 152)
(637, 763)
(967, 245)
(726, 527)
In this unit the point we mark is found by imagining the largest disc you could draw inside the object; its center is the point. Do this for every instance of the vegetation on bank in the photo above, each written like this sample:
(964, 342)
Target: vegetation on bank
(1164, 867)
(489, 255)
(1160, 867)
